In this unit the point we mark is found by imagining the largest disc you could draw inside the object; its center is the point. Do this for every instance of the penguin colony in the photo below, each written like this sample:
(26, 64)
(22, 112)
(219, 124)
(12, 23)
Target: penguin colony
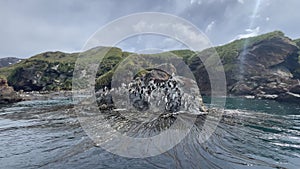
(143, 93)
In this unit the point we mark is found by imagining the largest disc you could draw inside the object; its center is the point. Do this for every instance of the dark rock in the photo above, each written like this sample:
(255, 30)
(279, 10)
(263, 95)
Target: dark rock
(269, 52)
(7, 93)
(289, 97)
(156, 74)
(242, 89)
(295, 89)
(274, 88)
(105, 100)
(141, 105)
(167, 67)
(266, 66)
(39, 75)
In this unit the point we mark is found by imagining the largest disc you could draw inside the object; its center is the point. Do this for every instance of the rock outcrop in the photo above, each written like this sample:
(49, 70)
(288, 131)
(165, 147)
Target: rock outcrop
(7, 93)
(154, 90)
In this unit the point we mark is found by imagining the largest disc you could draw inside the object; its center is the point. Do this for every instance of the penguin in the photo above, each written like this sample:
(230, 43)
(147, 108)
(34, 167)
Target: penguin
(105, 91)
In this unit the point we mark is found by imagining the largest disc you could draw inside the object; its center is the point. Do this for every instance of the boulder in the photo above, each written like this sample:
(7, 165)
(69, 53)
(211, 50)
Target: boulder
(241, 89)
(7, 93)
(156, 74)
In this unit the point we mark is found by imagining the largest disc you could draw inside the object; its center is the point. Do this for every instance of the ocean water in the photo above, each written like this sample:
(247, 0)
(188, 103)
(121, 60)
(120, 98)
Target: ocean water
(251, 134)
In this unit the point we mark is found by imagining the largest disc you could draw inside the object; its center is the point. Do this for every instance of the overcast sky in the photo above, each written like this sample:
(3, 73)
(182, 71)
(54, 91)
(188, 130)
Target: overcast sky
(33, 26)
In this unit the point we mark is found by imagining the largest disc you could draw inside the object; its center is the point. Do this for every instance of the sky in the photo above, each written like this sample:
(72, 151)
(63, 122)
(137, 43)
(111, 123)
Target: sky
(34, 26)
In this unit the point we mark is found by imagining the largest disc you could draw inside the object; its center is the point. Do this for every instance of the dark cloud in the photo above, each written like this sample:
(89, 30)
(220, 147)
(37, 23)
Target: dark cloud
(32, 26)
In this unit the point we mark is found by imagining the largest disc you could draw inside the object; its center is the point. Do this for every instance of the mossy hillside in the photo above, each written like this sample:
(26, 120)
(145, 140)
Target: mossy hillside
(184, 54)
(54, 70)
(41, 75)
(56, 57)
(129, 63)
(297, 41)
(111, 59)
(229, 53)
(118, 65)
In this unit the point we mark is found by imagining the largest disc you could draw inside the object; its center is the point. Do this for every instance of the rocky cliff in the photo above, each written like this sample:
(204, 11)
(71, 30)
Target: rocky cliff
(265, 66)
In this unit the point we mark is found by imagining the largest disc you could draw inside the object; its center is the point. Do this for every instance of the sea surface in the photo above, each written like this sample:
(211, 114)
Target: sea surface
(251, 134)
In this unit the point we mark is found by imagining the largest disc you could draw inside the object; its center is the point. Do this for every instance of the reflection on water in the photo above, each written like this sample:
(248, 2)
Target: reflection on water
(46, 134)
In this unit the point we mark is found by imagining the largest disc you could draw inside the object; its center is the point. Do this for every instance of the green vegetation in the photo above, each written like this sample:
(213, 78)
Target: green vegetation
(104, 80)
(297, 41)
(229, 52)
(185, 54)
(56, 56)
(113, 57)
(54, 70)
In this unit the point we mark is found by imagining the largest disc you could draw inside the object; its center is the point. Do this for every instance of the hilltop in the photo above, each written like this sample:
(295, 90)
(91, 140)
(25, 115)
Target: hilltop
(7, 61)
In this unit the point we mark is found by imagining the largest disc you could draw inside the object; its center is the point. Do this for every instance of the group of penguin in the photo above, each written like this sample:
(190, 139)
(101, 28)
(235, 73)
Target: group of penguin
(143, 93)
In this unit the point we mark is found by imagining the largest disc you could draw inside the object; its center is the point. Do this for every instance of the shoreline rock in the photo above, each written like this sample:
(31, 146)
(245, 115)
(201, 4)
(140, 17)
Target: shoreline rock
(7, 93)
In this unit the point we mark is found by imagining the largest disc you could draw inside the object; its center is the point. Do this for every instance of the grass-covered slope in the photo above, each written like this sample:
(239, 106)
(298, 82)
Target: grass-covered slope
(54, 70)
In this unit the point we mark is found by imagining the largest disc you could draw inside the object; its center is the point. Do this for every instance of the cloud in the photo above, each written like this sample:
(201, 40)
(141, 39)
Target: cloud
(177, 30)
(209, 27)
(28, 28)
(249, 33)
(148, 42)
(33, 26)
(199, 2)
(241, 1)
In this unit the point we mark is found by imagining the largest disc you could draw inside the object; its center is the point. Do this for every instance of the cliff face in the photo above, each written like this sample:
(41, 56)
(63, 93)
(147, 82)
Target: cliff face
(266, 66)
(272, 56)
